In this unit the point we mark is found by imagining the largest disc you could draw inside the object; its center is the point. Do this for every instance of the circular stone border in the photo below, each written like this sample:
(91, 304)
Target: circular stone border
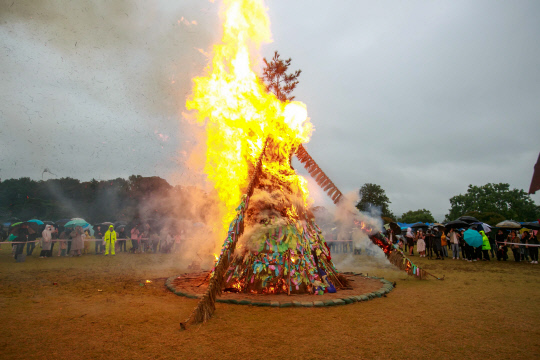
(385, 289)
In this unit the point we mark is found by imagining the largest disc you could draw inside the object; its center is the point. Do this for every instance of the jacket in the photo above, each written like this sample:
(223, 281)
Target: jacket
(485, 241)
(110, 235)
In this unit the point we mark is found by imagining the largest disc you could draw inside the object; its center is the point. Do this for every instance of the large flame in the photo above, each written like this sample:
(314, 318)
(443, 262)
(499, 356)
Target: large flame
(239, 114)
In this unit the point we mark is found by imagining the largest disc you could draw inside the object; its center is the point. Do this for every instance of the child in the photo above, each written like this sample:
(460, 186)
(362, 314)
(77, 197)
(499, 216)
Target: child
(421, 243)
(63, 244)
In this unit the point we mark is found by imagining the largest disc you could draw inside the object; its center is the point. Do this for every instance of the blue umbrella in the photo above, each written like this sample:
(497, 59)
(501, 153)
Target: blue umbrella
(76, 222)
(473, 238)
(39, 222)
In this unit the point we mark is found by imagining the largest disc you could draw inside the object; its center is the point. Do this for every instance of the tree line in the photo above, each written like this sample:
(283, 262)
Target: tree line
(490, 203)
(99, 201)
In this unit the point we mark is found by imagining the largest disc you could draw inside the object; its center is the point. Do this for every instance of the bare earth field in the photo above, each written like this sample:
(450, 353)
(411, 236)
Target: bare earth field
(102, 308)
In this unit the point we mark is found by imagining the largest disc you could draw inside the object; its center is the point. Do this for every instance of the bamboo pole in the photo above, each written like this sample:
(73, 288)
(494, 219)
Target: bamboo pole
(206, 306)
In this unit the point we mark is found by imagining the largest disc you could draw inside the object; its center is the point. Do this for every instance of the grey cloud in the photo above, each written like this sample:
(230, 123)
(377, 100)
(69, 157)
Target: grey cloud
(422, 98)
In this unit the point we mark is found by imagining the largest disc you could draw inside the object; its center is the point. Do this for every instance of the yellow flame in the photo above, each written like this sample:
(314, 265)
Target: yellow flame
(239, 114)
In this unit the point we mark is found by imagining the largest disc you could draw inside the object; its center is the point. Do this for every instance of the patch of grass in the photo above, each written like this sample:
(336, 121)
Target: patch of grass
(481, 310)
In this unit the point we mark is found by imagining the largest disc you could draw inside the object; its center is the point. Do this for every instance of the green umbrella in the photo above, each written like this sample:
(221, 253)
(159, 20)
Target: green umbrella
(76, 222)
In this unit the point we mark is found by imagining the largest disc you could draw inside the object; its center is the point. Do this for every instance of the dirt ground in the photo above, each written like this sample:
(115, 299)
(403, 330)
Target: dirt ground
(102, 308)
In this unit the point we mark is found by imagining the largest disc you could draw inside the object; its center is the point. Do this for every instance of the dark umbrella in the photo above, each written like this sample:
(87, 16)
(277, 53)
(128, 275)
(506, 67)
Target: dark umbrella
(32, 227)
(419, 225)
(62, 222)
(394, 226)
(106, 224)
(533, 225)
(468, 219)
(456, 224)
(119, 223)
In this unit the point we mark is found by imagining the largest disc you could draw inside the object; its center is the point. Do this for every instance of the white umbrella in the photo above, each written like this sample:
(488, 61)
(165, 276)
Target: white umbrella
(508, 224)
(481, 226)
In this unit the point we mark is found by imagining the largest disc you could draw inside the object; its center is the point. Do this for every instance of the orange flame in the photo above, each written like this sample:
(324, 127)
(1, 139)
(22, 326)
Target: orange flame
(239, 114)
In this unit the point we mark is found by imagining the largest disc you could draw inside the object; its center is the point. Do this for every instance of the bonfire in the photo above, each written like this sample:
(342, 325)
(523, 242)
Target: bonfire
(272, 242)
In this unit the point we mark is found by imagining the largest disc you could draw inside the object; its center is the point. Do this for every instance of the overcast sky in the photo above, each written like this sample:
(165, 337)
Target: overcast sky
(420, 97)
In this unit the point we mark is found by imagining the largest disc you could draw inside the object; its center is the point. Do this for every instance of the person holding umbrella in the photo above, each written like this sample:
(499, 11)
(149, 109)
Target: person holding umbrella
(429, 243)
(62, 243)
(469, 250)
(122, 238)
(512, 238)
(524, 249)
(22, 238)
(502, 248)
(485, 245)
(99, 243)
(462, 244)
(437, 247)
(110, 239)
(77, 243)
(135, 235)
(492, 244)
(444, 243)
(454, 240)
(31, 244)
(421, 243)
(410, 241)
(533, 250)
(46, 241)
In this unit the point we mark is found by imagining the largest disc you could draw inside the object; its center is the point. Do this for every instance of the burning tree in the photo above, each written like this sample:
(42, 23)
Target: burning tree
(276, 78)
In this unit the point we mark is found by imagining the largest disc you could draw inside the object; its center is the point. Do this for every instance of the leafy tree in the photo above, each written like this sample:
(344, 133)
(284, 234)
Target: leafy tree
(372, 196)
(276, 79)
(413, 216)
(497, 199)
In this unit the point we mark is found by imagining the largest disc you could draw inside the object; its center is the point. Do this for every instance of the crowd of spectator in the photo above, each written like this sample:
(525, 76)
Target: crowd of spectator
(438, 244)
(105, 241)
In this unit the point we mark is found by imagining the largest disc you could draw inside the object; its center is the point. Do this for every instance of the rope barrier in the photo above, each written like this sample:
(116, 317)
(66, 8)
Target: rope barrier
(521, 244)
(61, 240)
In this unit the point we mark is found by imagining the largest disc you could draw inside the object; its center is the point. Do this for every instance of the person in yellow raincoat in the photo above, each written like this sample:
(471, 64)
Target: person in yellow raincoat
(109, 238)
(485, 246)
